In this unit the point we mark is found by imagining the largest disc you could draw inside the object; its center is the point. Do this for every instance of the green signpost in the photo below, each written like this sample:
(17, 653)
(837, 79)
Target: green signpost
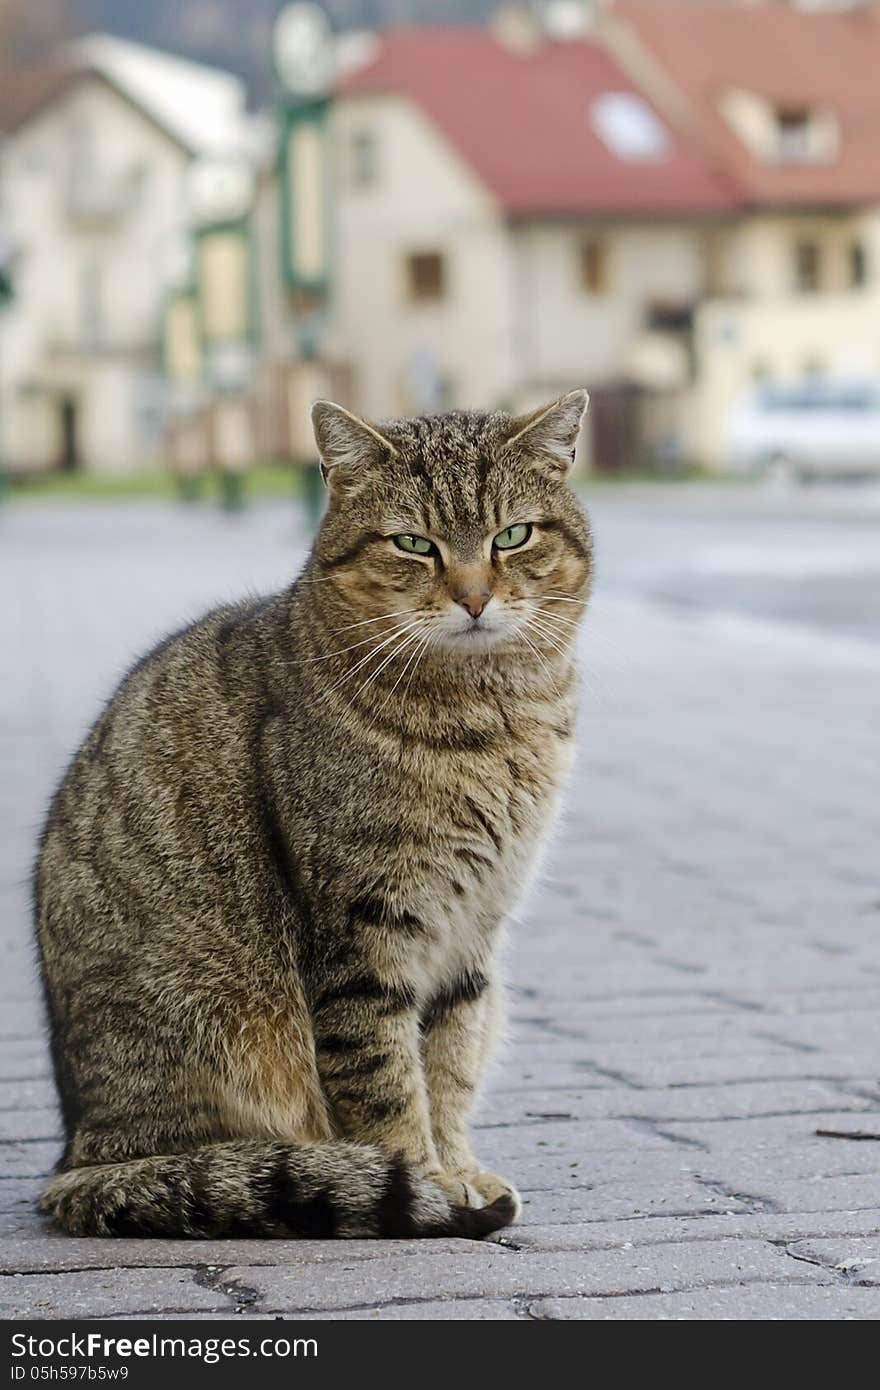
(304, 61)
(222, 192)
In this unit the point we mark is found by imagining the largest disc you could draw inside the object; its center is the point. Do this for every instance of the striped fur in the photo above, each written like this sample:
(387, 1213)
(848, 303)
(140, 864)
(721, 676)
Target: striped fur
(271, 886)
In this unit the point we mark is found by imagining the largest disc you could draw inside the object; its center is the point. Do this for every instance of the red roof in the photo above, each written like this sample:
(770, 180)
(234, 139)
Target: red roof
(522, 122)
(793, 59)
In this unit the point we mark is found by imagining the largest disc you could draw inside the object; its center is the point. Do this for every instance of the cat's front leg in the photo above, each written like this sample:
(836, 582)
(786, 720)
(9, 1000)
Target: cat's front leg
(368, 1050)
(459, 1029)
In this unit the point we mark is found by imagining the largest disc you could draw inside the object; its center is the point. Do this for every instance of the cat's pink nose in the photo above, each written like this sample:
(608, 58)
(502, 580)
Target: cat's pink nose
(474, 603)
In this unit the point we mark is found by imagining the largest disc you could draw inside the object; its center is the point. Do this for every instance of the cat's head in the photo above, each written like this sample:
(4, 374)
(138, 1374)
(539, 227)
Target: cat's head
(462, 524)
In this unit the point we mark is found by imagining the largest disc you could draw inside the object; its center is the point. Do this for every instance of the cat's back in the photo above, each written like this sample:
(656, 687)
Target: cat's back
(163, 758)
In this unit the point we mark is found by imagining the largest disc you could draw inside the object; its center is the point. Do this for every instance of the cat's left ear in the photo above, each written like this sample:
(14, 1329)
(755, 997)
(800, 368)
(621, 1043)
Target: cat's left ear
(347, 444)
(547, 437)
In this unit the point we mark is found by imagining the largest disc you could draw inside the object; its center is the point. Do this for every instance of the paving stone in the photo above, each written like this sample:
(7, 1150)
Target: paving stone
(49, 1251)
(28, 1158)
(823, 1194)
(780, 1228)
(736, 1100)
(89, 1293)
(753, 1302)
(30, 1122)
(432, 1310)
(486, 1271)
(623, 1201)
(855, 1256)
(771, 1064)
(448, 1310)
(758, 1135)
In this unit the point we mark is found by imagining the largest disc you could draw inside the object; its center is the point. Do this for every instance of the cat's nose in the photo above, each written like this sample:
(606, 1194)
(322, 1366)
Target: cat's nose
(474, 603)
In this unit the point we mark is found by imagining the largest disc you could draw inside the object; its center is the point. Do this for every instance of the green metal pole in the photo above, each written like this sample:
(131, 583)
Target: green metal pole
(189, 489)
(311, 111)
(231, 491)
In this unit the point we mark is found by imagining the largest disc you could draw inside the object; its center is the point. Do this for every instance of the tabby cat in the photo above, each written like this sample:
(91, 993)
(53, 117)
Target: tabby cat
(271, 886)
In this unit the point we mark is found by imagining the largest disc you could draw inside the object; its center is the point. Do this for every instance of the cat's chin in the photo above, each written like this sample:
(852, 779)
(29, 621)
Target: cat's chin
(475, 641)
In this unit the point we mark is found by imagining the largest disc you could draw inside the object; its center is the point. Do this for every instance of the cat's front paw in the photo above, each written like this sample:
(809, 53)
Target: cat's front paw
(461, 1192)
(490, 1187)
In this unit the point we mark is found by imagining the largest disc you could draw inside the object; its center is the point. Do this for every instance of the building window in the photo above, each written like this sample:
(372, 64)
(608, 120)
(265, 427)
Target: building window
(425, 276)
(807, 266)
(364, 159)
(794, 129)
(669, 316)
(594, 266)
(858, 264)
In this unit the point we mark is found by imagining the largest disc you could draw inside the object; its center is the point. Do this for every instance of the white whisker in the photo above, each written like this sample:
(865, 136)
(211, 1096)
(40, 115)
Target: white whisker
(398, 632)
(556, 618)
(413, 656)
(532, 648)
(350, 704)
(432, 639)
(340, 650)
(589, 686)
(401, 646)
(549, 638)
(402, 612)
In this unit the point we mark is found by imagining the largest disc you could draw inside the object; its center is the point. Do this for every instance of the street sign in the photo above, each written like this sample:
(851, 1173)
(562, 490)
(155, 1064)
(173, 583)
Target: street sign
(305, 60)
(305, 196)
(303, 49)
(220, 189)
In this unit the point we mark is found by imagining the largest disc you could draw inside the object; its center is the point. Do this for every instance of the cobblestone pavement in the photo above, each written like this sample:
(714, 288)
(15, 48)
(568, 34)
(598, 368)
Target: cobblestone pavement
(695, 983)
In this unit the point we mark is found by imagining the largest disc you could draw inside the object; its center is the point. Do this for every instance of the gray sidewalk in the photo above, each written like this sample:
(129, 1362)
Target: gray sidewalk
(695, 984)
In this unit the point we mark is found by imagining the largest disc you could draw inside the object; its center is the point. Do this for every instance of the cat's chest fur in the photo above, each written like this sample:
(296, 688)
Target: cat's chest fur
(471, 830)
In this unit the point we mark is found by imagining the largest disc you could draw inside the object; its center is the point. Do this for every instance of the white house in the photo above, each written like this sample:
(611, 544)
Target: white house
(92, 201)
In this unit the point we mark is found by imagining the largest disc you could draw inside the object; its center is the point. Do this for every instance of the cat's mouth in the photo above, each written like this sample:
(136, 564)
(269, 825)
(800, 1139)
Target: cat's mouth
(476, 634)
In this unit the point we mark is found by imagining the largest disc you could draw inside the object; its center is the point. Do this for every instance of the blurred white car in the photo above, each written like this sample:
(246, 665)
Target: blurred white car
(807, 430)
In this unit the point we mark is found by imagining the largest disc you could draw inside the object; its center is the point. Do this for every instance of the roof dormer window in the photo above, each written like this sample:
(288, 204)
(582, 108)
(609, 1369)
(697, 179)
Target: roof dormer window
(782, 133)
(793, 134)
(806, 135)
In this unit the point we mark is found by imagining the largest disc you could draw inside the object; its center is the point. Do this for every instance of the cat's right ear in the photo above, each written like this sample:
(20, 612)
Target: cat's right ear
(547, 437)
(348, 445)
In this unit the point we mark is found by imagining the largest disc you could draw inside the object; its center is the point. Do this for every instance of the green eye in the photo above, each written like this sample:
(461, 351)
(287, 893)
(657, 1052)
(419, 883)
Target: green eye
(512, 537)
(414, 545)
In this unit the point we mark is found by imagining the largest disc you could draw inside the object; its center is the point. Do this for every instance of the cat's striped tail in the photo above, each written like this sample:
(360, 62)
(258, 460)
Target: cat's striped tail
(251, 1188)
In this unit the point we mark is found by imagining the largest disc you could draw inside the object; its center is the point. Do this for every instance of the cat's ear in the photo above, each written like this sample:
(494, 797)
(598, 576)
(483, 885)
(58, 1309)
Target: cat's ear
(548, 436)
(348, 445)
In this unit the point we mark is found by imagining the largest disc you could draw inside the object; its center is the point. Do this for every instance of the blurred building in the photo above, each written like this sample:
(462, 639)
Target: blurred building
(786, 98)
(666, 201)
(93, 203)
(514, 216)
